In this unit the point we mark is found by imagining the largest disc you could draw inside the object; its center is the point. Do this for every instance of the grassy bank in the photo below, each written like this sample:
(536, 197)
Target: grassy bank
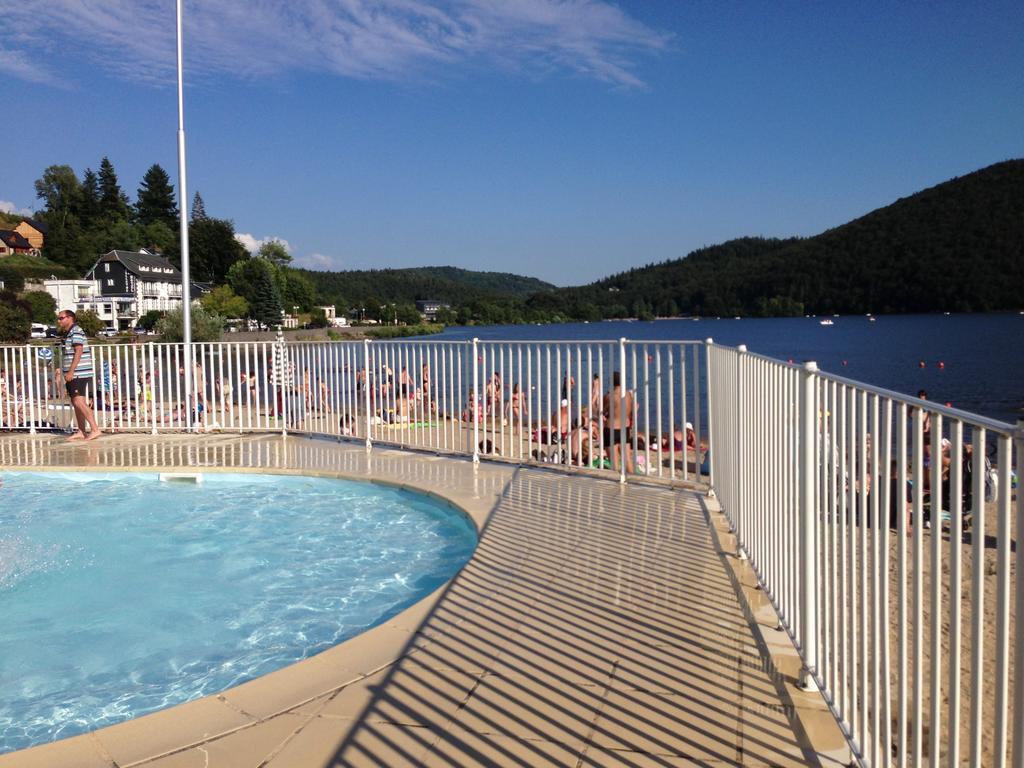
(400, 331)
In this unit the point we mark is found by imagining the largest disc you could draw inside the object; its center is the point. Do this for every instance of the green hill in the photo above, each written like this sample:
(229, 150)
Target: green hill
(449, 284)
(9, 220)
(958, 246)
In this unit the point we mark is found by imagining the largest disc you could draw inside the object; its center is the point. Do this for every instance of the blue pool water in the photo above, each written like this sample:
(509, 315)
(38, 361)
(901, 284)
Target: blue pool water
(121, 594)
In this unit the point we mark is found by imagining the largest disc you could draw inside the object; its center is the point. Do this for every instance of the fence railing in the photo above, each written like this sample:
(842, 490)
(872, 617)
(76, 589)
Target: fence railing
(627, 408)
(836, 490)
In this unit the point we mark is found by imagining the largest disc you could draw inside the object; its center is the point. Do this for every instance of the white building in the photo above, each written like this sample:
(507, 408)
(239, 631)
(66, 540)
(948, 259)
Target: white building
(132, 283)
(67, 293)
(332, 317)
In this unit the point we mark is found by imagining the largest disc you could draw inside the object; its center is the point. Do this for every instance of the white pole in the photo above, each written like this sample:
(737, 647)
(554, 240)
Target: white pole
(186, 282)
(476, 403)
(808, 585)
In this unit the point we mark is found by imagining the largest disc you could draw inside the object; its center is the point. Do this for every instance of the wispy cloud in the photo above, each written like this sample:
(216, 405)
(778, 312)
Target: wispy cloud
(253, 244)
(8, 207)
(368, 39)
(319, 262)
(21, 65)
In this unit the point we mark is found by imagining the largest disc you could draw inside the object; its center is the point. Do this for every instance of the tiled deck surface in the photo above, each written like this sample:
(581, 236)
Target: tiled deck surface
(596, 625)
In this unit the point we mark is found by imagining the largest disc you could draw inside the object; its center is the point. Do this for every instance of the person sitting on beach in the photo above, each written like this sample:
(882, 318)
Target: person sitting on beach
(347, 425)
(585, 442)
(11, 411)
(561, 420)
(595, 394)
(472, 410)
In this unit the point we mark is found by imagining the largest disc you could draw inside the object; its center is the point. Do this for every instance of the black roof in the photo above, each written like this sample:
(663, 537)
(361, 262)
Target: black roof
(37, 225)
(144, 264)
(14, 239)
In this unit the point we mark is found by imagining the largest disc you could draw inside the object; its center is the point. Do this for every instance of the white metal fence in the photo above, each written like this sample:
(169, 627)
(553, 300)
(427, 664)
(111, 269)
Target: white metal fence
(836, 490)
(540, 402)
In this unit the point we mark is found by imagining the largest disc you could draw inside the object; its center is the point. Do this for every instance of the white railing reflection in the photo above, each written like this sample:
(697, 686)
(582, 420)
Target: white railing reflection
(836, 490)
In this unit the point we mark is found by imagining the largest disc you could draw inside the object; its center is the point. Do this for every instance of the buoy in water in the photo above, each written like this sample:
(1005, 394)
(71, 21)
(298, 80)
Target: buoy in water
(949, 404)
(920, 364)
(942, 365)
(790, 361)
(844, 362)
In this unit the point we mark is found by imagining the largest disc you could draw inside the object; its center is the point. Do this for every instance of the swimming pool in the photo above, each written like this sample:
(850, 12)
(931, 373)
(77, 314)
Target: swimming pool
(122, 595)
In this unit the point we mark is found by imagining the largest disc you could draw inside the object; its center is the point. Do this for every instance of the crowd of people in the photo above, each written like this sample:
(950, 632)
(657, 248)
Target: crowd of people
(601, 432)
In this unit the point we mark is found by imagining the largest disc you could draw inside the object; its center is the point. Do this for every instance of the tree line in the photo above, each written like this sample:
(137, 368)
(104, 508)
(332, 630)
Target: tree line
(958, 246)
(89, 216)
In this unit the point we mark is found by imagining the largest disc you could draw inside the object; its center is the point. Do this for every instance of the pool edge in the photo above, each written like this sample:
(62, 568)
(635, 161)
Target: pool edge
(256, 702)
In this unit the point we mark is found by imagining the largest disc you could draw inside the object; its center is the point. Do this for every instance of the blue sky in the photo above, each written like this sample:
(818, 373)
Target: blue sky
(563, 139)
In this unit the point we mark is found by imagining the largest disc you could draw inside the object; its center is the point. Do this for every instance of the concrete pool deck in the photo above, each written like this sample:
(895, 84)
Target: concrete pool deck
(596, 625)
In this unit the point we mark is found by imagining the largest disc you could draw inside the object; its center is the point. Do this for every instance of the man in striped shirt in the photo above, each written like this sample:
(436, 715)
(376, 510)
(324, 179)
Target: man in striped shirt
(76, 363)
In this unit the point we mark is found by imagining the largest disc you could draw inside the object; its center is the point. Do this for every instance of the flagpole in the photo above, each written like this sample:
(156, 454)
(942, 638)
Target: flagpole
(186, 282)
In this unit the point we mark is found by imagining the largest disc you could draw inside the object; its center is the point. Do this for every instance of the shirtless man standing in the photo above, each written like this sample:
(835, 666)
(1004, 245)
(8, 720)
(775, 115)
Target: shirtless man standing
(614, 420)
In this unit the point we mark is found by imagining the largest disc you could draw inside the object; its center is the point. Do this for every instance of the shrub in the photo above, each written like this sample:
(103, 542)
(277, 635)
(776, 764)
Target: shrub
(44, 306)
(205, 326)
(89, 322)
(15, 325)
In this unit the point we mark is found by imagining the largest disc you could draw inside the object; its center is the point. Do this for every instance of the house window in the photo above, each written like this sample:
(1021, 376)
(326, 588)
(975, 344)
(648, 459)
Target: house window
(106, 267)
(110, 281)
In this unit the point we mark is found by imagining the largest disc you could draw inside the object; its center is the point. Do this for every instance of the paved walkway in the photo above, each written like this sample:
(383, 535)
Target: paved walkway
(596, 625)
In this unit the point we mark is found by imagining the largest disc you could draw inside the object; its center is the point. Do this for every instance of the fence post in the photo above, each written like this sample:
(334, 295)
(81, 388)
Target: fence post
(624, 444)
(476, 403)
(739, 519)
(808, 515)
(281, 353)
(367, 383)
(708, 343)
(31, 408)
(153, 384)
(1018, 651)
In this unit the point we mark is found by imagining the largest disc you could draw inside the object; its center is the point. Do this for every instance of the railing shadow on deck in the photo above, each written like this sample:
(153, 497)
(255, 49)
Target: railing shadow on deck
(605, 630)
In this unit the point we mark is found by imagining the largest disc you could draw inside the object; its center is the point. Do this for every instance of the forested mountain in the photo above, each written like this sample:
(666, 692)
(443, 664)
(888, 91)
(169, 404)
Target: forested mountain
(448, 284)
(958, 246)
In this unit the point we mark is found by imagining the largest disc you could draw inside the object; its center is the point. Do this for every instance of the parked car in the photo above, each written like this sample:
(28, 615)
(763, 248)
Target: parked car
(108, 332)
(38, 331)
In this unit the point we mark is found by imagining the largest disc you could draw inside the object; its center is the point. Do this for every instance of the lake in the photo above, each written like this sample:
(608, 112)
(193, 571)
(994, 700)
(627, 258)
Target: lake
(973, 361)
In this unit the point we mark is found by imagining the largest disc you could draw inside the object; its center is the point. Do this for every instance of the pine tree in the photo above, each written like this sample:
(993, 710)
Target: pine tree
(267, 307)
(113, 202)
(61, 193)
(198, 209)
(90, 208)
(156, 199)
